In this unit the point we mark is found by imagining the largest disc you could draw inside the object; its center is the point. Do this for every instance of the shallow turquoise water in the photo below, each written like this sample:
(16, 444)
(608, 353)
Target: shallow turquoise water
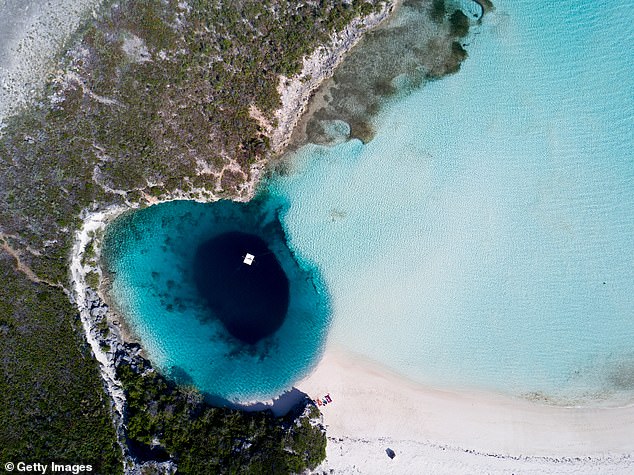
(150, 255)
(484, 238)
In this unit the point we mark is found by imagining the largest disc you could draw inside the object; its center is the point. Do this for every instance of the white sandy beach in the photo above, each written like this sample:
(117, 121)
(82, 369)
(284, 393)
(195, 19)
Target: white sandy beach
(433, 431)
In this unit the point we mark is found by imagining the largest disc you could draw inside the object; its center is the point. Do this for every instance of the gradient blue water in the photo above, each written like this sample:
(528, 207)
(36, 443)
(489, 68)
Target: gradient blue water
(150, 254)
(485, 237)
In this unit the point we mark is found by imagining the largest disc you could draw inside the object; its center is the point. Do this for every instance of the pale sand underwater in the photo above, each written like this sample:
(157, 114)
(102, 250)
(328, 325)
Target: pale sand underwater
(475, 432)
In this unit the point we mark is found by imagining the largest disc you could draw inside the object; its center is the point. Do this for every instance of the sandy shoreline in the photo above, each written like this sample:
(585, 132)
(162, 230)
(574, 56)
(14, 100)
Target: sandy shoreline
(435, 431)
(295, 94)
(431, 431)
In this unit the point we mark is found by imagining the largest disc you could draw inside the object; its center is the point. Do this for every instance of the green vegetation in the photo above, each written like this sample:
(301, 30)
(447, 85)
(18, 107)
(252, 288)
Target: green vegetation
(204, 439)
(52, 403)
(92, 279)
(458, 55)
(459, 23)
(154, 92)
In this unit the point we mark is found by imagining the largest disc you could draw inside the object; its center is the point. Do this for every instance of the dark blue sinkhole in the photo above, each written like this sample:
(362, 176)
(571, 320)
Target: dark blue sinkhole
(244, 285)
(236, 330)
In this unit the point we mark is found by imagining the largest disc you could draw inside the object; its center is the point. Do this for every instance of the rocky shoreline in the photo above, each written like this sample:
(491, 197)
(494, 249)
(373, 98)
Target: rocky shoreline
(103, 328)
(99, 324)
(296, 93)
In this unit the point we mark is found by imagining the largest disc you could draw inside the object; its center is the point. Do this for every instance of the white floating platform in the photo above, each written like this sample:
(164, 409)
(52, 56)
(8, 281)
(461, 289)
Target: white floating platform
(248, 259)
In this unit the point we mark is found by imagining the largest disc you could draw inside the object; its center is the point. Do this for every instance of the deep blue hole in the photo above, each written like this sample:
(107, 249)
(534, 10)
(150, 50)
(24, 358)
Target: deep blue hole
(176, 265)
(250, 298)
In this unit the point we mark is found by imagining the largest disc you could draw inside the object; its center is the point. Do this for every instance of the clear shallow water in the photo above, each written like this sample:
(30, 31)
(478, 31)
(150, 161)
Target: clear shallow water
(151, 255)
(482, 239)
(485, 237)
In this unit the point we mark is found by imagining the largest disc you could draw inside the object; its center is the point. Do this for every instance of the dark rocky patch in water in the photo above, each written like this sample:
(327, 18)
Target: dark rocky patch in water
(416, 45)
(251, 300)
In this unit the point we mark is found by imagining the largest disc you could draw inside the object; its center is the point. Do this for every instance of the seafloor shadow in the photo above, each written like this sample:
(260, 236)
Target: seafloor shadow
(279, 406)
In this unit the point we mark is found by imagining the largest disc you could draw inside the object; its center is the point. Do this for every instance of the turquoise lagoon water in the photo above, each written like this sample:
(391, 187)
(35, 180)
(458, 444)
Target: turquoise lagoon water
(483, 239)
(151, 254)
